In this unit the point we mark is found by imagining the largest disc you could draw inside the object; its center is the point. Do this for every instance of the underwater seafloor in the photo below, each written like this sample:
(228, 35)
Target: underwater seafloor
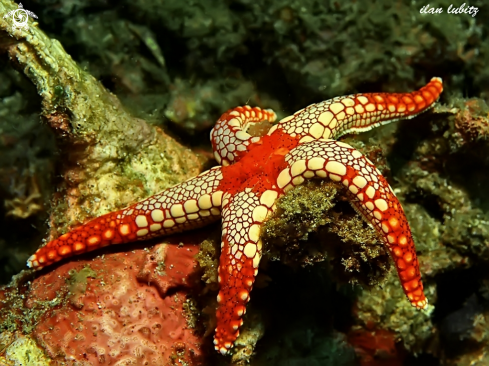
(104, 103)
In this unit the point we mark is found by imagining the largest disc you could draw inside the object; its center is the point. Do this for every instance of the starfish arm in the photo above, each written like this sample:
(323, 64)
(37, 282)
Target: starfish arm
(230, 138)
(370, 195)
(241, 250)
(188, 205)
(358, 112)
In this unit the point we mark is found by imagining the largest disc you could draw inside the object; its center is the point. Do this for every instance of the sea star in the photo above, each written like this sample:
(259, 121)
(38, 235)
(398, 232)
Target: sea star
(254, 173)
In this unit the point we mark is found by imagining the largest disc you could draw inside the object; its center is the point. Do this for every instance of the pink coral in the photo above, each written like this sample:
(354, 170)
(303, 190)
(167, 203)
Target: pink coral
(116, 309)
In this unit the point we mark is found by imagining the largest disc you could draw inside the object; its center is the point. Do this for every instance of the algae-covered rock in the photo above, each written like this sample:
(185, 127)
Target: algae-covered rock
(326, 289)
(110, 158)
(24, 351)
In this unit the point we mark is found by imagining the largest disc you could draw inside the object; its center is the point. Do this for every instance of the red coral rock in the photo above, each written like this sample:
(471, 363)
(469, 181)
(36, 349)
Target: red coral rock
(115, 309)
(376, 347)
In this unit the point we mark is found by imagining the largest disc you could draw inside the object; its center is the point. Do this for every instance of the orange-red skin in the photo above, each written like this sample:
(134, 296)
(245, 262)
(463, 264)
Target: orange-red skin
(257, 169)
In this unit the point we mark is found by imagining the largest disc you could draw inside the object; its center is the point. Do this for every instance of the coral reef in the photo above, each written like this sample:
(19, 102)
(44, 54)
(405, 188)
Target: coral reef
(177, 66)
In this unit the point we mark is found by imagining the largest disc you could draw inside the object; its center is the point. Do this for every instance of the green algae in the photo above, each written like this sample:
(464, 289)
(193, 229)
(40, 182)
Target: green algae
(77, 285)
(309, 227)
(15, 315)
(24, 351)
